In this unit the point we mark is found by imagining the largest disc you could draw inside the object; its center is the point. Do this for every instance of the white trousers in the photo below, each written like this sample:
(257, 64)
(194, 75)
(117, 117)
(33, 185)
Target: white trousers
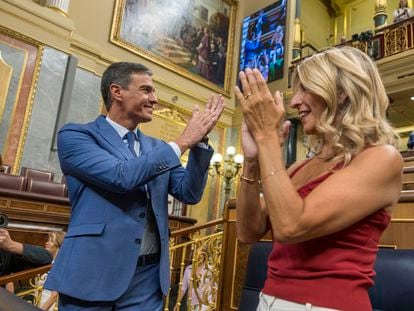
(270, 303)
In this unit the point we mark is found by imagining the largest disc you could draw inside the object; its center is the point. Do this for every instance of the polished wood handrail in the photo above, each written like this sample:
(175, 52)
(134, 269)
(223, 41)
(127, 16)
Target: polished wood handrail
(406, 196)
(410, 158)
(196, 227)
(408, 169)
(24, 275)
(230, 204)
(31, 196)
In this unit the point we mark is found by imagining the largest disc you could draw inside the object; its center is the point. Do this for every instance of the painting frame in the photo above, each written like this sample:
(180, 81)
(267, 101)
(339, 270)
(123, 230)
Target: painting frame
(140, 43)
(22, 95)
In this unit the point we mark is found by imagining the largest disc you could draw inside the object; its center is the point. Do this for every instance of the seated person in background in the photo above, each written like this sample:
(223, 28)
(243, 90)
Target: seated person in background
(403, 12)
(410, 142)
(1, 163)
(16, 256)
(203, 278)
(49, 298)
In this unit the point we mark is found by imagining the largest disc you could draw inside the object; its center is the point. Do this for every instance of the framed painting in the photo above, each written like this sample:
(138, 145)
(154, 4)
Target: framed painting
(193, 38)
(20, 60)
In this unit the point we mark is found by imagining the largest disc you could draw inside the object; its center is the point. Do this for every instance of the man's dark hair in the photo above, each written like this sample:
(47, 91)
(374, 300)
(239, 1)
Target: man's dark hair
(120, 73)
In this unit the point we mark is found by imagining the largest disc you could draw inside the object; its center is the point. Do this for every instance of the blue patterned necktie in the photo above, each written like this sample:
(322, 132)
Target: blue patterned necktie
(130, 136)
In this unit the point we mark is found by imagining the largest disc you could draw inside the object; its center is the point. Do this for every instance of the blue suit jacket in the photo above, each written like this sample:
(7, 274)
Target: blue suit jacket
(106, 189)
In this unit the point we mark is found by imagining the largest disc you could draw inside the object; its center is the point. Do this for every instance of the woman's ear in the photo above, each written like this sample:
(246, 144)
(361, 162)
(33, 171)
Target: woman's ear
(342, 98)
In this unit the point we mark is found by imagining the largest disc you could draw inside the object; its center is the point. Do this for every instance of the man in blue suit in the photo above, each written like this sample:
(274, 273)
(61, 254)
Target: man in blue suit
(115, 254)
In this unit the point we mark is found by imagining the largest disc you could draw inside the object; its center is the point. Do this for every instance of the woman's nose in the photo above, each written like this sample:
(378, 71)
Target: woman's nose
(295, 101)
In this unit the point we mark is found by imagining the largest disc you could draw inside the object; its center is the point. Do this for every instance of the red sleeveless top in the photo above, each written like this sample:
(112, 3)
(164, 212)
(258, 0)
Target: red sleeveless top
(333, 271)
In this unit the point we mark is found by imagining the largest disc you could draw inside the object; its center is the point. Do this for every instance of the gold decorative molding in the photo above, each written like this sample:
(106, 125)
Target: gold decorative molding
(28, 112)
(182, 111)
(395, 40)
(171, 114)
(18, 35)
(6, 72)
(15, 103)
(380, 6)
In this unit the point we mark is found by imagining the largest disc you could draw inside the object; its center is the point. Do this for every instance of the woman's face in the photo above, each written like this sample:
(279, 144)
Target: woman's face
(51, 247)
(403, 3)
(309, 107)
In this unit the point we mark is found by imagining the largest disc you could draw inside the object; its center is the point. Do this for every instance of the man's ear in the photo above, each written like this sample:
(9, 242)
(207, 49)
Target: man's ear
(115, 91)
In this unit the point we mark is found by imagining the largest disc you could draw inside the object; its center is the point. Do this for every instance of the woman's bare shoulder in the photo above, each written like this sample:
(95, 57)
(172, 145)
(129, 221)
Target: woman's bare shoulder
(381, 155)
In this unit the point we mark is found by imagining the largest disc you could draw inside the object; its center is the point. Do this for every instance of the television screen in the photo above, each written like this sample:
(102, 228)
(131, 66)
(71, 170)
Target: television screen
(263, 41)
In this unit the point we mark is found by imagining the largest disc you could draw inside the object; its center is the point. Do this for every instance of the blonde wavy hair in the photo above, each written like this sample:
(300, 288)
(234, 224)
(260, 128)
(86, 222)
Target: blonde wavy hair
(356, 102)
(56, 237)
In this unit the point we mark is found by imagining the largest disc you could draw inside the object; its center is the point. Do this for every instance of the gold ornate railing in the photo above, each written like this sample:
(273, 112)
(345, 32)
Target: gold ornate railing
(31, 281)
(386, 41)
(195, 257)
(195, 263)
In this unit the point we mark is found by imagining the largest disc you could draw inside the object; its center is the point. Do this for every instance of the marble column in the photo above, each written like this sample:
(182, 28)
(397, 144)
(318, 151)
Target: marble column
(380, 17)
(62, 6)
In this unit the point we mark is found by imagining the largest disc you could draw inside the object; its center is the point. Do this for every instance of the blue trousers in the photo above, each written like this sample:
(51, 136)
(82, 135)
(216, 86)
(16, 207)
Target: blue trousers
(143, 294)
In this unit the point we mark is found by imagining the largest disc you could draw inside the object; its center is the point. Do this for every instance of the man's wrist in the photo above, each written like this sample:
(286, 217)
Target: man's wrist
(204, 140)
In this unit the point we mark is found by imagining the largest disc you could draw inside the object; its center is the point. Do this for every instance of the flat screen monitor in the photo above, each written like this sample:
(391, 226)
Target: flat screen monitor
(263, 41)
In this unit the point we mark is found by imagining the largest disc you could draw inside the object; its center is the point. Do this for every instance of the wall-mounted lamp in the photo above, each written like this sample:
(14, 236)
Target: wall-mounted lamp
(227, 169)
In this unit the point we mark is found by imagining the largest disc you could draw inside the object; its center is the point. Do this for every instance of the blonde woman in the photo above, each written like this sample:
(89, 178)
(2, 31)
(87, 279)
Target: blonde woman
(327, 213)
(49, 298)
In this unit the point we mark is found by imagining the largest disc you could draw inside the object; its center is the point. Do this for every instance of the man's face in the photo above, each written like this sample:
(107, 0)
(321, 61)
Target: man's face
(139, 98)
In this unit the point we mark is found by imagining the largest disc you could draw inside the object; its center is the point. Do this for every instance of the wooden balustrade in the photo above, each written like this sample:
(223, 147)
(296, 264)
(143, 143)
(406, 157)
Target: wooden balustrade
(196, 263)
(29, 288)
(408, 161)
(387, 41)
(23, 275)
(400, 232)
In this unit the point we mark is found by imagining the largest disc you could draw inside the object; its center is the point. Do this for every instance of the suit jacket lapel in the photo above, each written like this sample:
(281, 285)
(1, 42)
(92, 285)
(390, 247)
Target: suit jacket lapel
(145, 147)
(112, 137)
(144, 142)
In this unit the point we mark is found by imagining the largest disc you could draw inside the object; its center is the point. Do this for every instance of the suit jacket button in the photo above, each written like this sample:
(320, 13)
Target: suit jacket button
(138, 241)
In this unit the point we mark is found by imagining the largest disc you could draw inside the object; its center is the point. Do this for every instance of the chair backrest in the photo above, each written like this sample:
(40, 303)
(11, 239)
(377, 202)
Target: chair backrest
(255, 275)
(394, 282)
(36, 174)
(5, 168)
(46, 187)
(13, 182)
